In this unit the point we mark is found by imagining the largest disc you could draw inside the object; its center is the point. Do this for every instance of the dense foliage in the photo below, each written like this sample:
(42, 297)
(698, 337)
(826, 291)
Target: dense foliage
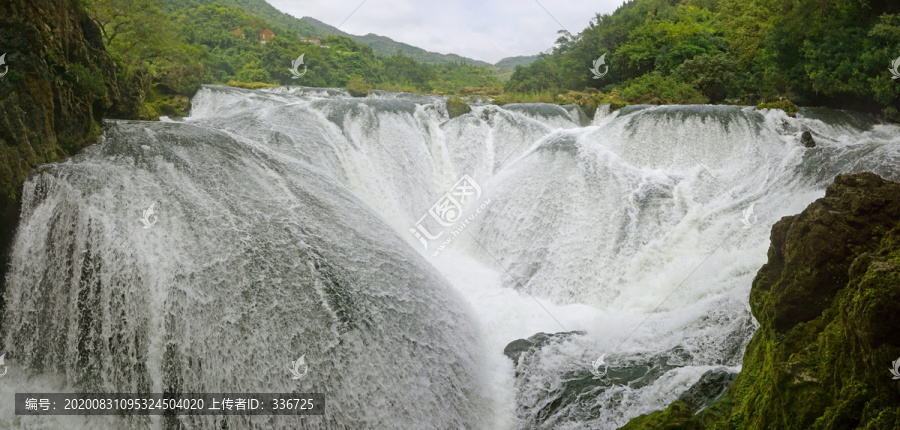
(812, 52)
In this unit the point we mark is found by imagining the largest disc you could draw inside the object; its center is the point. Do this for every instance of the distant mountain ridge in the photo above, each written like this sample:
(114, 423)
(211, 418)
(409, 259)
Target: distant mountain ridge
(386, 46)
(512, 62)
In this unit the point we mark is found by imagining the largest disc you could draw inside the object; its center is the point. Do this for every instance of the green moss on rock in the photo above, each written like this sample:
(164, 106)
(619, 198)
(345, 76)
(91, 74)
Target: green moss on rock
(457, 107)
(786, 105)
(677, 416)
(171, 105)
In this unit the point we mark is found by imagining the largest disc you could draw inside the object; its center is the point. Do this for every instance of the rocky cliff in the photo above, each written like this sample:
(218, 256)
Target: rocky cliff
(828, 305)
(60, 82)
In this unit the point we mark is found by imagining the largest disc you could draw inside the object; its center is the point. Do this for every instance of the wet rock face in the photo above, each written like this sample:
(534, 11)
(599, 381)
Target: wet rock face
(807, 140)
(516, 348)
(554, 387)
(811, 253)
(710, 386)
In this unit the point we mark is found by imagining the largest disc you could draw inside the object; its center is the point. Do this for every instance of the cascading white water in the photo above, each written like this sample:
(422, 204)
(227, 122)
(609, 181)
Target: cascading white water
(284, 229)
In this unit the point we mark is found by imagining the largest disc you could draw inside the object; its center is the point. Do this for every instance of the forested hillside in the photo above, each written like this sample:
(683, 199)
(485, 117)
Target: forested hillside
(812, 52)
(170, 49)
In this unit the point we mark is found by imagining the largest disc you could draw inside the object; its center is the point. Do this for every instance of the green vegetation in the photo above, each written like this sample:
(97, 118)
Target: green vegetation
(507, 66)
(676, 417)
(386, 47)
(817, 52)
(457, 107)
(166, 50)
(358, 87)
(766, 53)
(250, 85)
(784, 105)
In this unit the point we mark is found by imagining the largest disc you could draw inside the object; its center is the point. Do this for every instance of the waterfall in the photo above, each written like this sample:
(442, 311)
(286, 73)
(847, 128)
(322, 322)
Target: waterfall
(282, 227)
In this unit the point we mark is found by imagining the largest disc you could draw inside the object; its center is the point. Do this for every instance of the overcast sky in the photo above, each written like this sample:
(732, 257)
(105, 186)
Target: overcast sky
(486, 30)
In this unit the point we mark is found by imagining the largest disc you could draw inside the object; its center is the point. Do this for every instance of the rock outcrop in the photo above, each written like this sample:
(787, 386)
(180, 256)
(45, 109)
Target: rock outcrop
(828, 305)
(457, 107)
(807, 140)
(60, 82)
(710, 386)
(677, 416)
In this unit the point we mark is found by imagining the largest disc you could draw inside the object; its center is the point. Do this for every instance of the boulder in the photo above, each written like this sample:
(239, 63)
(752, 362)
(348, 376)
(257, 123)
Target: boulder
(516, 348)
(710, 386)
(807, 140)
(457, 107)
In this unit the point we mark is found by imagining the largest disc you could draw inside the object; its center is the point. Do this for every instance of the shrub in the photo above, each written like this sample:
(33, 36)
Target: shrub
(590, 98)
(715, 75)
(490, 90)
(655, 89)
(358, 87)
(87, 79)
(890, 113)
(253, 72)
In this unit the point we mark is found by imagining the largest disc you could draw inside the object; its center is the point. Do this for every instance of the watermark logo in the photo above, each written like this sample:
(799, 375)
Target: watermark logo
(147, 214)
(295, 65)
(894, 66)
(3, 363)
(3, 63)
(896, 370)
(297, 365)
(595, 367)
(596, 69)
(746, 218)
(447, 212)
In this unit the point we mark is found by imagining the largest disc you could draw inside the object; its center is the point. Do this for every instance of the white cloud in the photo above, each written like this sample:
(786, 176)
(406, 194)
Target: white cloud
(486, 30)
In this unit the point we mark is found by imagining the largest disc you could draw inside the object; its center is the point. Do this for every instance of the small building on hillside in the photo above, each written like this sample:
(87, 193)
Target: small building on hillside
(239, 32)
(265, 35)
(314, 41)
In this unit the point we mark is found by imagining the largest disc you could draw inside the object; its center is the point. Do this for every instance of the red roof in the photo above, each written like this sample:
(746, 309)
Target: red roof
(266, 34)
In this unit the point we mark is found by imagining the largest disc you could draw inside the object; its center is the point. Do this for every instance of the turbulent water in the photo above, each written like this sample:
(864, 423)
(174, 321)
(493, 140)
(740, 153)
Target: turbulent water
(293, 221)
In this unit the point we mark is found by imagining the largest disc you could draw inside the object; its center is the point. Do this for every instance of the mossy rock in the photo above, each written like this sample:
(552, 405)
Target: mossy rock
(677, 416)
(786, 105)
(250, 85)
(457, 107)
(171, 105)
(828, 304)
